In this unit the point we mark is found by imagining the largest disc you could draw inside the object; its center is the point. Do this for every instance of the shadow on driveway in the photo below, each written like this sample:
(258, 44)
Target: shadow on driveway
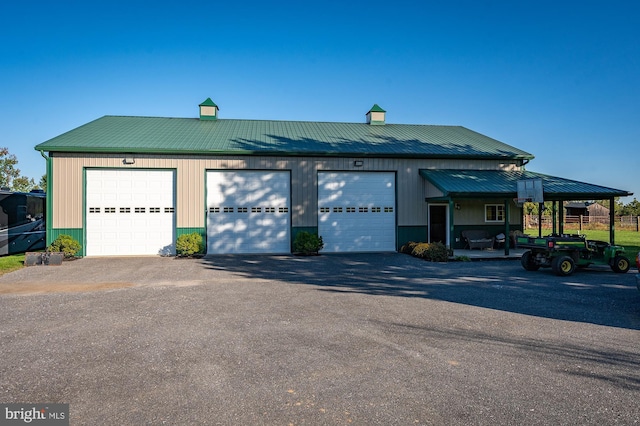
(596, 295)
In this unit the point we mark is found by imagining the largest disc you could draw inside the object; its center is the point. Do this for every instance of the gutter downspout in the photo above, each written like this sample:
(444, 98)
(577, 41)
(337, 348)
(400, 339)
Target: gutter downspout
(450, 232)
(507, 228)
(49, 198)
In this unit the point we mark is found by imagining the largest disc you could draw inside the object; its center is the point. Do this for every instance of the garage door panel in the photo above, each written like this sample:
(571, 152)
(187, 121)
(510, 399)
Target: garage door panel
(106, 237)
(248, 212)
(155, 198)
(356, 211)
(130, 212)
(107, 198)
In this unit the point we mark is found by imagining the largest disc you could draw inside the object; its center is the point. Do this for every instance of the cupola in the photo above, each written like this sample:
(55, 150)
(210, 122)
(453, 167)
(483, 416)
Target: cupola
(208, 110)
(376, 115)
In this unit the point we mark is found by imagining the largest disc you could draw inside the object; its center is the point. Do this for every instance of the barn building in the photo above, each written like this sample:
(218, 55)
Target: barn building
(131, 185)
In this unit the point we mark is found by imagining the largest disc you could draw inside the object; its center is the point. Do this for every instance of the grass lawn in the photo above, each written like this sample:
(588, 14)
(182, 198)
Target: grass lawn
(11, 263)
(630, 240)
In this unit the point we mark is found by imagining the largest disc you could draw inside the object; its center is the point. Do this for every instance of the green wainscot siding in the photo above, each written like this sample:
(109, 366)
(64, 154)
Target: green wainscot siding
(411, 233)
(183, 231)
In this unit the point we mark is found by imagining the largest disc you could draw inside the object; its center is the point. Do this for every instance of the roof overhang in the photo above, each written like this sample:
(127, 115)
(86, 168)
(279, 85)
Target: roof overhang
(52, 149)
(502, 184)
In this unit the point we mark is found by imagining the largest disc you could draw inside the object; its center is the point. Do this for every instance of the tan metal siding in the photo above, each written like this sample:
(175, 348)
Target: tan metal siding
(431, 191)
(67, 190)
(471, 210)
(190, 189)
(190, 184)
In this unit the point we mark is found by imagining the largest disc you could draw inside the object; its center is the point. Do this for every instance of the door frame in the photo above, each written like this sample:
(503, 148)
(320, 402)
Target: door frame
(85, 226)
(447, 224)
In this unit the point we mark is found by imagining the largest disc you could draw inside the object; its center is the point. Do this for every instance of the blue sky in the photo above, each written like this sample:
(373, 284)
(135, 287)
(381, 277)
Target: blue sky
(560, 80)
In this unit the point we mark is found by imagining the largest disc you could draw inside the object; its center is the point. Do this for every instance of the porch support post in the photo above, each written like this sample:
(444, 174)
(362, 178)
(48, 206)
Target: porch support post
(507, 219)
(451, 236)
(540, 207)
(554, 212)
(561, 214)
(612, 221)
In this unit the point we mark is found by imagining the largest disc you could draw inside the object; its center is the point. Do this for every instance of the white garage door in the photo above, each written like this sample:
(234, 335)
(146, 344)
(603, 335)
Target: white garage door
(357, 211)
(130, 212)
(248, 212)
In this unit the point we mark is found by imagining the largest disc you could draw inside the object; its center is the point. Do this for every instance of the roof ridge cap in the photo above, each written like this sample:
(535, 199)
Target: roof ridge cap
(285, 121)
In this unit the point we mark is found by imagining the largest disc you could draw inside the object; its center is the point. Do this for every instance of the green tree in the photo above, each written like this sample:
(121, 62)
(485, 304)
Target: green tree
(10, 176)
(631, 209)
(8, 170)
(43, 182)
(23, 184)
(534, 208)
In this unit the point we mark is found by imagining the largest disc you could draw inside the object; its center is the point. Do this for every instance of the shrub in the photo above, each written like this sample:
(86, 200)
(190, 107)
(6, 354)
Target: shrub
(408, 248)
(189, 244)
(420, 250)
(65, 244)
(435, 252)
(307, 243)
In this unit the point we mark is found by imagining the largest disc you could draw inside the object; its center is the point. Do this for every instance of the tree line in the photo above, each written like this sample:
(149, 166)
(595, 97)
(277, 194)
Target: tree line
(12, 178)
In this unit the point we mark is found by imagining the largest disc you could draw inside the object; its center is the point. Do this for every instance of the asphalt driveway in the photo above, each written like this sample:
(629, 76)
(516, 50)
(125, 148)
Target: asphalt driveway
(334, 339)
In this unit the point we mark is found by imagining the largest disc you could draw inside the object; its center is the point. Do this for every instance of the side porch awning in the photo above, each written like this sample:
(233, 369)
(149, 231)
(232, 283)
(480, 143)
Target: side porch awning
(501, 184)
(450, 184)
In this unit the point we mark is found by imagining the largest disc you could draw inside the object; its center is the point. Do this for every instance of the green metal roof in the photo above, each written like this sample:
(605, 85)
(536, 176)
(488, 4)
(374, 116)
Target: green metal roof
(503, 184)
(376, 108)
(208, 102)
(227, 136)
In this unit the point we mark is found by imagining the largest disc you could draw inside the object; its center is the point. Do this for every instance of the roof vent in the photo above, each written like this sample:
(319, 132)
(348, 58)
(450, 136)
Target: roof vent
(376, 116)
(208, 110)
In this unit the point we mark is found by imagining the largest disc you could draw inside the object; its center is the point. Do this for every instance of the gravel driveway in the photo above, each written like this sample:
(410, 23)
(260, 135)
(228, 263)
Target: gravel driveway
(335, 339)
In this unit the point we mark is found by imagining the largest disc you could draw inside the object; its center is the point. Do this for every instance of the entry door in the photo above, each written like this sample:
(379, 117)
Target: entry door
(438, 220)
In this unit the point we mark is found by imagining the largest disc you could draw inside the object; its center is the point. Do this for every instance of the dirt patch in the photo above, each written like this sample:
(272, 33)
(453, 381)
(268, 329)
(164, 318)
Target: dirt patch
(25, 288)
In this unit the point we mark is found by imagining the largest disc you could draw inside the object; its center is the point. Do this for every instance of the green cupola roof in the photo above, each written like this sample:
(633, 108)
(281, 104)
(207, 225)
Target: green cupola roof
(208, 110)
(376, 116)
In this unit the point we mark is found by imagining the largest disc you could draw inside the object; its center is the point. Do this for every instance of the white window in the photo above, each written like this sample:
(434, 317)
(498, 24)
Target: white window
(494, 212)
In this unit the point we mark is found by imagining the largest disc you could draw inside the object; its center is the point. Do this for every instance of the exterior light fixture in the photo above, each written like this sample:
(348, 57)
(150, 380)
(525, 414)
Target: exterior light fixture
(129, 160)
(358, 163)
(457, 206)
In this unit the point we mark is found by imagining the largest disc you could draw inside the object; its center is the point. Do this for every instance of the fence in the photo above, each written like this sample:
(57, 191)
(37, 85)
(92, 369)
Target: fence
(585, 222)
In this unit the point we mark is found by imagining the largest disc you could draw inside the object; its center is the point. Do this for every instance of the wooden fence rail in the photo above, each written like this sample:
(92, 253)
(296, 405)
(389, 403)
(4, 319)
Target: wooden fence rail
(584, 222)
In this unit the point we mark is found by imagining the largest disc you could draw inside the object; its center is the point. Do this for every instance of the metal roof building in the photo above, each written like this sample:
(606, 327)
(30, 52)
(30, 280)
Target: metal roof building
(132, 185)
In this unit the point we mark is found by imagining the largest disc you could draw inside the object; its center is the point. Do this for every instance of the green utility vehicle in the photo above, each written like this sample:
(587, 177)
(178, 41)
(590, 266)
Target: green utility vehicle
(563, 253)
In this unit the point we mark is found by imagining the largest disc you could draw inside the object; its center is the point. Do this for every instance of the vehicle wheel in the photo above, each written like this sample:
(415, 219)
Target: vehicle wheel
(621, 264)
(563, 266)
(528, 262)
